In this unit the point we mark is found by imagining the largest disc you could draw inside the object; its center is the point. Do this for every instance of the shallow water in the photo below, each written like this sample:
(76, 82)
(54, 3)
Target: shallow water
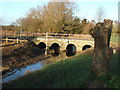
(21, 72)
(33, 67)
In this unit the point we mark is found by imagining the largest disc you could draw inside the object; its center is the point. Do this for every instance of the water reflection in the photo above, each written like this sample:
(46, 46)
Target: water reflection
(55, 53)
(70, 50)
(21, 72)
(55, 49)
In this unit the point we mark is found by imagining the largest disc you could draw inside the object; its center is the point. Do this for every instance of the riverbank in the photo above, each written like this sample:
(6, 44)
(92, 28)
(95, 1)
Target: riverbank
(21, 55)
(69, 73)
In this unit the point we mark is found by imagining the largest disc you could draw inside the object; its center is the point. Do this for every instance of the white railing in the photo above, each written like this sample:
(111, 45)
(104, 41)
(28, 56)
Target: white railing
(15, 40)
(51, 34)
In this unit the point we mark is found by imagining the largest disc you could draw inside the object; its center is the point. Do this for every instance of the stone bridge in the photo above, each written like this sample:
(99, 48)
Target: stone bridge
(63, 43)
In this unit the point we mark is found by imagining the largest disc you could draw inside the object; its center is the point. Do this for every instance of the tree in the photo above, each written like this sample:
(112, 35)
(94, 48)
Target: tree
(58, 15)
(33, 20)
(52, 18)
(101, 33)
(100, 13)
(87, 28)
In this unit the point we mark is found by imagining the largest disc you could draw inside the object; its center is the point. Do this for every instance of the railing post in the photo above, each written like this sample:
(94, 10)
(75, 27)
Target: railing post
(20, 33)
(14, 33)
(46, 43)
(17, 40)
(6, 39)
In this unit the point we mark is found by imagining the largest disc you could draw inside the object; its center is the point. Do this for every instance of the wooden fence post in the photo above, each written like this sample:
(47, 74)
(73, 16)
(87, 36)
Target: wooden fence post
(46, 43)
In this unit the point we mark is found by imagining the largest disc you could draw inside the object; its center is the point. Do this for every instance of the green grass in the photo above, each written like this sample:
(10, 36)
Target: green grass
(70, 73)
(114, 37)
(112, 80)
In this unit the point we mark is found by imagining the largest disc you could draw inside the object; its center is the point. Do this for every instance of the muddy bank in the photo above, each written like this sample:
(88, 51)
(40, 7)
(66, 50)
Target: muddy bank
(25, 54)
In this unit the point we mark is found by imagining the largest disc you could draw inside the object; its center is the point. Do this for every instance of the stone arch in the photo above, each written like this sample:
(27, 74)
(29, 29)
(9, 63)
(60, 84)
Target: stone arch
(71, 50)
(55, 46)
(54, 49)
(42, 45)
(85, 47)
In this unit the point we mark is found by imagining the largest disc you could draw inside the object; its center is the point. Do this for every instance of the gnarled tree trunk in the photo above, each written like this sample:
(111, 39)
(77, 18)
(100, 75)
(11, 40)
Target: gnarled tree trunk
(101, 33)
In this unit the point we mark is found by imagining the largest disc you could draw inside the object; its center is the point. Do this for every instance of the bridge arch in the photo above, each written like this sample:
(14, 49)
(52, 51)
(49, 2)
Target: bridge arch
(42, 45)
(71, 50)
(85, 47)
(55, 46)
(63, 43)
(55, 49)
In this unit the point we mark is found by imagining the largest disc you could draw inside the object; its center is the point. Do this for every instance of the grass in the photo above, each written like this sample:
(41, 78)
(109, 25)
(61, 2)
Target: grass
(70, 73)
(112, 80)
(114, 38)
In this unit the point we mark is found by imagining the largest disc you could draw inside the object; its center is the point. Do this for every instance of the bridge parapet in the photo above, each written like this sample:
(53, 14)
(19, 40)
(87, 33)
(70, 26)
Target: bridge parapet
(62, 42)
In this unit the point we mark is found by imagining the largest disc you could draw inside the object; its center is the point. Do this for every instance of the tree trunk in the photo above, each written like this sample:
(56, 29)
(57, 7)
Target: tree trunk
(101, 33)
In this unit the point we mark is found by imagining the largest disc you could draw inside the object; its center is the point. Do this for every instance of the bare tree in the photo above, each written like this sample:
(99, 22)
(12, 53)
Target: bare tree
(49, 18)
(100, 13)
(57, 14)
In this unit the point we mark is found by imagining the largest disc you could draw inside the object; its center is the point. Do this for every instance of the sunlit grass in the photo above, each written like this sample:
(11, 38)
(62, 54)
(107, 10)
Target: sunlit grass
(115, 37)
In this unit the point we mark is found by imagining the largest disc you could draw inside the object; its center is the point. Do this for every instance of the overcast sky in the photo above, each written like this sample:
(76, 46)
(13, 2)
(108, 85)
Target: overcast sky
(10, 10)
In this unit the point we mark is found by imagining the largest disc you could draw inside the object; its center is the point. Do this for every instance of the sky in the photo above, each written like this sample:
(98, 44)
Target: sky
(11, 10)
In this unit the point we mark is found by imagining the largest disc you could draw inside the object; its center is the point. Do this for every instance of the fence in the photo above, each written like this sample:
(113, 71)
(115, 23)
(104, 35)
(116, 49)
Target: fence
(17, 34)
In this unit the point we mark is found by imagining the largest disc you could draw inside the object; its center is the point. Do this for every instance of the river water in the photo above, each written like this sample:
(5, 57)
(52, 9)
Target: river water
(33, 67)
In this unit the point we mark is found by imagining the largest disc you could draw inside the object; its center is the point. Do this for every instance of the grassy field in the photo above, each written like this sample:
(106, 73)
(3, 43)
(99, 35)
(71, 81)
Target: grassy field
(70, 73)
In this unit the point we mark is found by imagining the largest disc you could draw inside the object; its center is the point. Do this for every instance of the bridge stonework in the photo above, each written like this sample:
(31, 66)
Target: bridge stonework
(63, 43)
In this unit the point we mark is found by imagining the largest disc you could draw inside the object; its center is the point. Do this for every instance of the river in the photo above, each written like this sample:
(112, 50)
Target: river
(18, 72)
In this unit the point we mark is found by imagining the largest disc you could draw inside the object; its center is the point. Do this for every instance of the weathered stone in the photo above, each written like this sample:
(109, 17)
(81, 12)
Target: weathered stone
(79, 43)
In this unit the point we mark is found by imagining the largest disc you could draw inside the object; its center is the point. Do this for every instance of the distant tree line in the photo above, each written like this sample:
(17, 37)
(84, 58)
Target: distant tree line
(55, 17)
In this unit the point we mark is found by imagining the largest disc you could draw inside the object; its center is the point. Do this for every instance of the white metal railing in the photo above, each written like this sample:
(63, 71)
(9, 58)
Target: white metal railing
(16, 40)
(5, 34)
(61, 34)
